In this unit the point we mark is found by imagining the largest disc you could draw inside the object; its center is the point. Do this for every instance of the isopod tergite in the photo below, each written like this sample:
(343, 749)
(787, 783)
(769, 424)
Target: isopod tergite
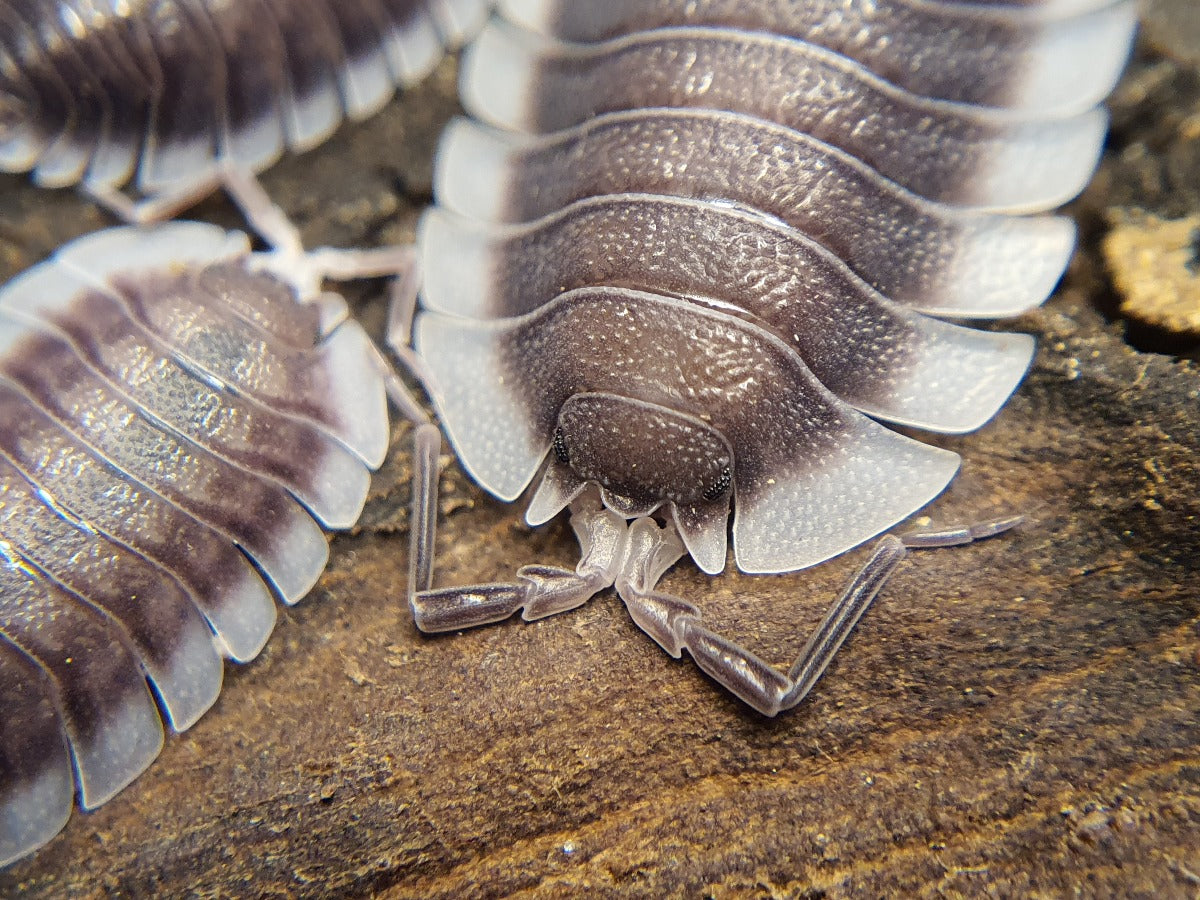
(685, 267)
(180, 421)
(100, 93)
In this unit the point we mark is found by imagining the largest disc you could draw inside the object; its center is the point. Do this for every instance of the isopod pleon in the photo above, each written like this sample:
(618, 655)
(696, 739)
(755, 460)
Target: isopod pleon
(681, 275)
(161, 93)
(180, 422)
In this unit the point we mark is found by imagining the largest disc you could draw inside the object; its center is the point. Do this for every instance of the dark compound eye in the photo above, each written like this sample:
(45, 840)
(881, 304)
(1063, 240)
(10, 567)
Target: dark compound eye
(560, 447)
(720, 486)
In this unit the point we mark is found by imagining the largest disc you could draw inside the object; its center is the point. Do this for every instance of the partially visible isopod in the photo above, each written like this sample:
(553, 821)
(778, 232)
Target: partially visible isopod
(681, 276)
(176, 431)
(96, 92)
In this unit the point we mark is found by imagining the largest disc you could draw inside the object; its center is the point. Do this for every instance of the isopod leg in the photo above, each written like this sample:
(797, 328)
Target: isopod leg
(305, 269)
(402, 308)
(675, 624)
(155, 208)
(427, 443)
(541, 590)
(273, 226)
(950, 537)
(264, 216)
(289, 260)
(427, 440)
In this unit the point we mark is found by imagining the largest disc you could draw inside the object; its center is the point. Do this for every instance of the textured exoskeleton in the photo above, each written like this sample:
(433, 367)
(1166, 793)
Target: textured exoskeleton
(162, 92)
(683, 271)
(180, 421)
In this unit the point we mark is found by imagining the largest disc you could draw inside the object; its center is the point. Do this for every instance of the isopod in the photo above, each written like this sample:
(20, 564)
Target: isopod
(692, 266)
(100, 93)
(180, 422)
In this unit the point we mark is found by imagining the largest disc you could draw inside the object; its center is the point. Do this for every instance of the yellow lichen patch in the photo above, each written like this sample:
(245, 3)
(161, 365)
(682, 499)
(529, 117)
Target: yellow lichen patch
(1154, 267)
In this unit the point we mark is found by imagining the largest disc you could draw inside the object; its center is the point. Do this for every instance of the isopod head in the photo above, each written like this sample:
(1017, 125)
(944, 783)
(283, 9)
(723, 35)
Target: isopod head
(642, 456)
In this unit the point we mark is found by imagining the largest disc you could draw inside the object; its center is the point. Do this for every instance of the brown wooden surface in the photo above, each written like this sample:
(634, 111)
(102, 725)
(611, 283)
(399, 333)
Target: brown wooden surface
(1014, 718)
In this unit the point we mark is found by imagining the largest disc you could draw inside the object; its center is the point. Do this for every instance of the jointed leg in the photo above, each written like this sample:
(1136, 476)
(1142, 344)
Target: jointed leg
(306, 269)
(422, 524)
(241, 184)
(157, 208)
(675, 624)
(540, 591)
(302, 268)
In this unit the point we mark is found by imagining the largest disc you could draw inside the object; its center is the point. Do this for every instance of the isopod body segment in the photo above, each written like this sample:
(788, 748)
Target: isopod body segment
(689, 261)
(177, 431)
(161, 93)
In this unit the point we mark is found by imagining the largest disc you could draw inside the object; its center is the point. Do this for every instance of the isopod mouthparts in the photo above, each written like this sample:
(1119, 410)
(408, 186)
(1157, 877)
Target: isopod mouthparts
(179, 424)
(162, 92)
(683, 272)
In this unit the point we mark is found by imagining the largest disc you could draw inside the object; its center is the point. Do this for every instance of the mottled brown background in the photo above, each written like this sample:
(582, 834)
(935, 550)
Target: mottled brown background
(1015, 718)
